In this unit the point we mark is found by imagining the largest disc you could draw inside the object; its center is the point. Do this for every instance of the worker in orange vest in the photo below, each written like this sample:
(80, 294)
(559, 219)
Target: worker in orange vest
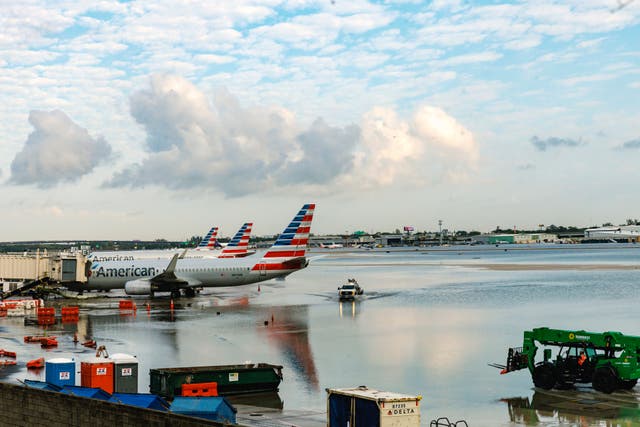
(582, 358)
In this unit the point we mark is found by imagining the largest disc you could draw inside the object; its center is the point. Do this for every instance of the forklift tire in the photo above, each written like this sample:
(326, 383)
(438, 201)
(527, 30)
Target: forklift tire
(628, 384)
(544, 376)
(605, 380)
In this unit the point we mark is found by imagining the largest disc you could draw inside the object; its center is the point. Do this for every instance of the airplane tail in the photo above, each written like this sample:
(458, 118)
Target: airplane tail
(238, 246)
(288, 252)
(210, 240)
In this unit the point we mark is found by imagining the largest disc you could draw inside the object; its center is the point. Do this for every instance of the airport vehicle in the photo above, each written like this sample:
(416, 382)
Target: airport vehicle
(607, 360)
(350, 290)
(147, 276)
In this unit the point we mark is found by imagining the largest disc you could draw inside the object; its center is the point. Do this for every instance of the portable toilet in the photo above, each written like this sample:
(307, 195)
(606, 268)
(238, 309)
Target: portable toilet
(211, 408)
(363, 406)
(125, 373)
(60, 371)
(97, 372)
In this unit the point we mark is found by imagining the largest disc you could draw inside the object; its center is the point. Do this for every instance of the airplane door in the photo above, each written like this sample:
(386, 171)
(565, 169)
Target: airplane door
(263, 269)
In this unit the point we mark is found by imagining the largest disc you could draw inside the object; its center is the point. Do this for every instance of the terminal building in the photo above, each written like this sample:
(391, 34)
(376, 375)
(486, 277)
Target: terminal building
(519, 238)
(629, 233)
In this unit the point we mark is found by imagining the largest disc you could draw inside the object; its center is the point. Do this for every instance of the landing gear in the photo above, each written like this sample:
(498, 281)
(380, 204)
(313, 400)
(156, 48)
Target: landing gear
(189, 292)
(605, 380)
(175, 294)
(544, 376)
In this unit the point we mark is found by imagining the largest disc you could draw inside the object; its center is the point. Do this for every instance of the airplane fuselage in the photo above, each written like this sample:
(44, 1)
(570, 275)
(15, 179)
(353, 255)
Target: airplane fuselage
(193, 271)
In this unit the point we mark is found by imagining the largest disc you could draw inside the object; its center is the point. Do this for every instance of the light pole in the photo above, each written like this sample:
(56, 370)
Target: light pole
(440, 225)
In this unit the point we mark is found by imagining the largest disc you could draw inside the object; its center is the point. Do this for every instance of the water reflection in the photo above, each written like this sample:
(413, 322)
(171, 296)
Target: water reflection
(289, 331)
(574, 407)
(348, 309)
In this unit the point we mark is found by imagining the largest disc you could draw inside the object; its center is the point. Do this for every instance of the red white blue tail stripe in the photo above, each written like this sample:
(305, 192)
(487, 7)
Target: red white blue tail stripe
(291, 244)
(238, 246)
(210, 240)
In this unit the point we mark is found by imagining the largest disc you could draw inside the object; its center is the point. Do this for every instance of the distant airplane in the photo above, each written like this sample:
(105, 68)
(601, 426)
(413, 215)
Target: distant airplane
(331, 245)
(238, 246)
(209, 242)
(207, 248)
(147, 276)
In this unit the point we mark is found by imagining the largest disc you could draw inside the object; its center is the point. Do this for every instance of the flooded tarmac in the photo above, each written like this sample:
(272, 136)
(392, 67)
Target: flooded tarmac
(428, 324)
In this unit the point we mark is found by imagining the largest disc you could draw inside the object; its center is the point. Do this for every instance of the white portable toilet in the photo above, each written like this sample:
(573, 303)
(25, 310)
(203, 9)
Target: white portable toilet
(363, 406)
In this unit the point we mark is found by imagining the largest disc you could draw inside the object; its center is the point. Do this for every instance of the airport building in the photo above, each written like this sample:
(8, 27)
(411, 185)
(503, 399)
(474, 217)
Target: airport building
(519, 238)
(620, 233)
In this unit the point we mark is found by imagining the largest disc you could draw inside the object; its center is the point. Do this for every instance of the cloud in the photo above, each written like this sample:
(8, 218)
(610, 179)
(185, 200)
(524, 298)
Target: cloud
(58, 150)
(634, 144)
(543, 144)
(236, 150)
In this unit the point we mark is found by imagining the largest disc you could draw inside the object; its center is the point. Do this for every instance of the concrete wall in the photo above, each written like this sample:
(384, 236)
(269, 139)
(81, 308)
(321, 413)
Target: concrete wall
(24, 406)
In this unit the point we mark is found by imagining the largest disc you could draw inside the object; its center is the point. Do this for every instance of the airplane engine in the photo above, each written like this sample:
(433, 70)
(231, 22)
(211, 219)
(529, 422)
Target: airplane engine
(137, 287)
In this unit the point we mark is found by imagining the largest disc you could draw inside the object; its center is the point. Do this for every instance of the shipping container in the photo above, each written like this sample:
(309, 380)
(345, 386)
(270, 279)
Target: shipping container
(363, 406)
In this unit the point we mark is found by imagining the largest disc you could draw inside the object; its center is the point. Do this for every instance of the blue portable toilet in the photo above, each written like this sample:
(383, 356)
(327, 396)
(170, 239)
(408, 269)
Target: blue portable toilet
(93, 393)
(41, 385)
(211, 408)
(142, 400)
(60, 371)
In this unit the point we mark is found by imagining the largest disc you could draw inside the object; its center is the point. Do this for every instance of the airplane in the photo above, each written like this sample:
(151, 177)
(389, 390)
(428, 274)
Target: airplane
(239, 244)
(331, 245)
(209, 242)
(205, 249)
(147, 276)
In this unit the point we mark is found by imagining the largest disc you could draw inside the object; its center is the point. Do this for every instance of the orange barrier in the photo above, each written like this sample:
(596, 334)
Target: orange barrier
(46, 311)
(35, 363)
(48, 343)
(127, 304)
(46, 320)
(69, 311)
(200, 389)
(37, 338)
(4, 353)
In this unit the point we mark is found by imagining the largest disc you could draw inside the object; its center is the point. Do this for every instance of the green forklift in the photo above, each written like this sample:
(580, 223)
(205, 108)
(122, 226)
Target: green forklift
(608, 360)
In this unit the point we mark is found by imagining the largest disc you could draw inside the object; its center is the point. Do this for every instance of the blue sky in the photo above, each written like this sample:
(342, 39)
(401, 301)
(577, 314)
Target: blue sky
(147, 120)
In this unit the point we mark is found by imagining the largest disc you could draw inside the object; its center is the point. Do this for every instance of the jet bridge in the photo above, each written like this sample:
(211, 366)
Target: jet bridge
(32, 268)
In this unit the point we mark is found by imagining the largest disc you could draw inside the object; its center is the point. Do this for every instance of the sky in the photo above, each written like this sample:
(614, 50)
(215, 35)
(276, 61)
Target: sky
(144, 120)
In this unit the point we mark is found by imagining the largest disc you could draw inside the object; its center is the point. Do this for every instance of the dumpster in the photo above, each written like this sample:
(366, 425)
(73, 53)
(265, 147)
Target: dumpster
(60, 371)
(230, 379)
(363, 406)
(125, 373)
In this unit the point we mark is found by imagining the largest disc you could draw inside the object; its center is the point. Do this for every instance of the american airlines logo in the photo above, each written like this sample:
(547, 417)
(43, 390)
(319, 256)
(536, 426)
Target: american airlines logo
(100, 271)
(112, 258)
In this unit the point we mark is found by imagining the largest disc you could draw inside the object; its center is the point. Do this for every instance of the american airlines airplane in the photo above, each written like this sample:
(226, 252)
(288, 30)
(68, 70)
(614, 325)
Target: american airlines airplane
(147, 276)
(207, 248)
